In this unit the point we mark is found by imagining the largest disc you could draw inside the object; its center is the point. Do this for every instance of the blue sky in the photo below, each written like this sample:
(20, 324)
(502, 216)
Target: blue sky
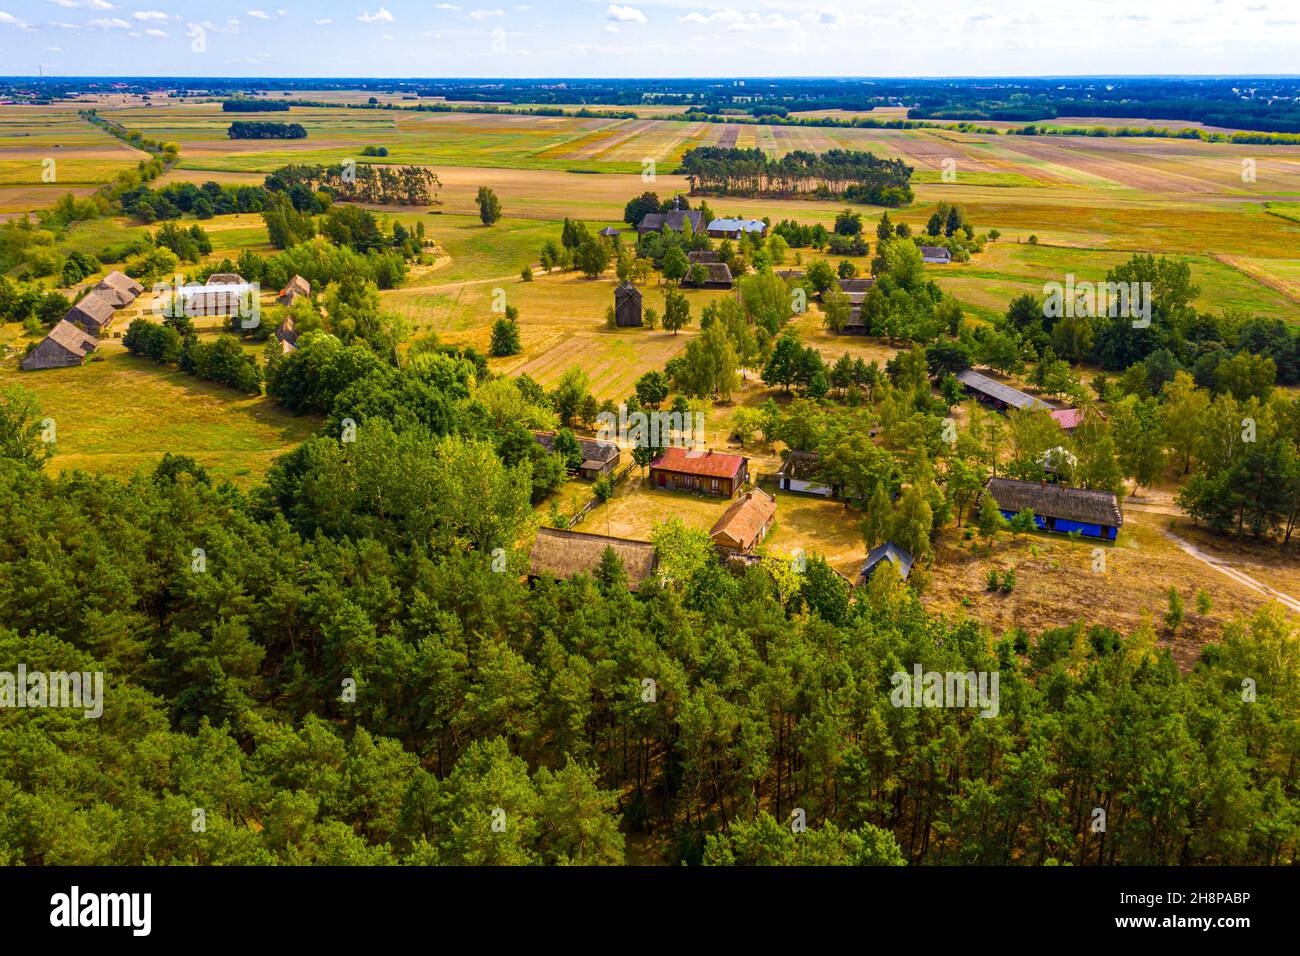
(398, 38)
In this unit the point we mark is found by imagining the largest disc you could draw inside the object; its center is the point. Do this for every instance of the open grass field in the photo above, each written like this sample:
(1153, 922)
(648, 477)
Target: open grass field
(1056, 584)
(118, 415)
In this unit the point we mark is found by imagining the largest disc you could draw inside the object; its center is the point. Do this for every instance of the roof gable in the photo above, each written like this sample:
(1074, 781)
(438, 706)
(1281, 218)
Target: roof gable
(743, 522)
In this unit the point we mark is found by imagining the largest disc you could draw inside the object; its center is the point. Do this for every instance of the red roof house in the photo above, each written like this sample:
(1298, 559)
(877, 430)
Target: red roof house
(710, 472)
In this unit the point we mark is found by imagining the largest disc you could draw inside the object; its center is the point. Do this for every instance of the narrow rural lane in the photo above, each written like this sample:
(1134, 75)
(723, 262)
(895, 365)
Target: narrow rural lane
(1239, 576)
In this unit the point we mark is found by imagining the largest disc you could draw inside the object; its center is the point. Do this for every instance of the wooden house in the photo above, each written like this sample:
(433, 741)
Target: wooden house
(745, 523)
(856, 290)
(937, 255)
(627, 306)
(297, 288)
(93, 313)
(674, 220)
(216, 298)
(598, 457)
(1059, 508)
(706, 472)
(561, 554)
(64, 346)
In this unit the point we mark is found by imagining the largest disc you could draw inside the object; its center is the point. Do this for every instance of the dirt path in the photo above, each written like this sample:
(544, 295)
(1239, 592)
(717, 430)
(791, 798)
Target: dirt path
(1239, 576)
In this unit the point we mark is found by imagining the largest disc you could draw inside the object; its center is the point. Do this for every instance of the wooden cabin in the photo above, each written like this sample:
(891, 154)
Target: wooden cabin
(706, 472)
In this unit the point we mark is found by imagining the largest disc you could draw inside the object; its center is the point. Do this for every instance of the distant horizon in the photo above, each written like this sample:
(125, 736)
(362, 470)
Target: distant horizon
(443, 78)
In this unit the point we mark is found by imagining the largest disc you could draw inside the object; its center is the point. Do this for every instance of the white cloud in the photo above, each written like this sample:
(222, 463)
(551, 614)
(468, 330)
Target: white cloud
(737, 22)
(54, 49)
(380, 14)
(610, 28)
(155, 32)
(446, 6)
(108, 23)
(259, 14)
(482, 15)
(149, 15)
(321, 23)
(621, 14)
(83, 4)
(8, 19)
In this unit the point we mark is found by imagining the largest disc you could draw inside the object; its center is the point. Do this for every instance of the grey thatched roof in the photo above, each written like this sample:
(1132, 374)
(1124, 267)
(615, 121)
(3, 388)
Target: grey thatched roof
(718, 274)
(995, 389)
(118, 288)
(94, 310)
(1050, 500)
(562, 554)
(592, 450)
(626, 290)
(72, 338)
(704, 255)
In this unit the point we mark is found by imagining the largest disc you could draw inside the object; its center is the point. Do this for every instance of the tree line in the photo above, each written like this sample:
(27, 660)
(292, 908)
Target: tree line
(249, 129)
(835, 174)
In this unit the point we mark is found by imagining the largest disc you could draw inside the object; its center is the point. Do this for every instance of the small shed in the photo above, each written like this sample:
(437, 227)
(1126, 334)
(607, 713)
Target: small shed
(64, 346)
(609, 232)
(900, 558)
(627, 306)
(936, 254)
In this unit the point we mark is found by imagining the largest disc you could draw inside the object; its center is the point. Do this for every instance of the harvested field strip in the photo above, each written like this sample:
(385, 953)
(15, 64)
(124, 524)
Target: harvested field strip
(594, 143)
(1263, 271)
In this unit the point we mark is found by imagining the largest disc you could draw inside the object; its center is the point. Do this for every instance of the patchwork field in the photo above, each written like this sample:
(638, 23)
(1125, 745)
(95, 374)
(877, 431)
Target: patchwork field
(46, 151)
